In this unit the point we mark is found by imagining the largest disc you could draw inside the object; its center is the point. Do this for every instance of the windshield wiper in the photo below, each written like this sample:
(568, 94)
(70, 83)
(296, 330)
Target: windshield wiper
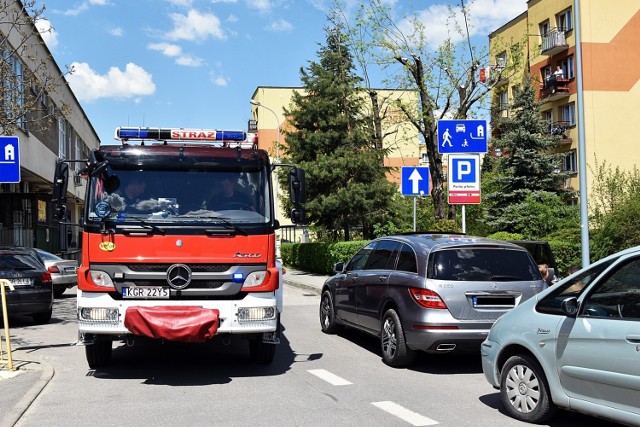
(229, 224)
(144, 224)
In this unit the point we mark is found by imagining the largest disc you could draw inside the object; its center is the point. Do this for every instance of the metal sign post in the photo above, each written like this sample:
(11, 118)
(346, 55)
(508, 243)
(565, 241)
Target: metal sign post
(5, 319)
(414, 182)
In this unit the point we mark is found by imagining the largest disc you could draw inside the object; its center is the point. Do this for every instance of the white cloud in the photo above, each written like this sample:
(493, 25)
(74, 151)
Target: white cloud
(175, 51)
(84, 6)
(47, 32)
(484, 17)
(118, 32)
(280, 25)
(195, 26)
(219, 81)
(260, 5)
(89, 86)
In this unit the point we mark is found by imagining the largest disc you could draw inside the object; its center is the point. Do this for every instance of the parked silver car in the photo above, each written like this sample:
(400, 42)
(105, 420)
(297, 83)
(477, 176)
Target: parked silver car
(575, 346)
(428, 292)
(63, 271)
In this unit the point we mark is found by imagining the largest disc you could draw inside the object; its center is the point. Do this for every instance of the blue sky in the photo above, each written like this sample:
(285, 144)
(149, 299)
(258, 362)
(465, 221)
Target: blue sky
(196, 63)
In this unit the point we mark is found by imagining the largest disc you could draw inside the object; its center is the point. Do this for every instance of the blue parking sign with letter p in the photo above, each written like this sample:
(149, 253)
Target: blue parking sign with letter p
(464, 170)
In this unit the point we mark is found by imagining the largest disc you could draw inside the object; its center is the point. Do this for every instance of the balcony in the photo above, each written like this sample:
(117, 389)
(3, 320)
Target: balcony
(560, 129)
(554, 89)
(553, 42)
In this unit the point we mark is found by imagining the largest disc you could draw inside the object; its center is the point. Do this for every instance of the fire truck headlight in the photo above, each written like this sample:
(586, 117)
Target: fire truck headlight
(248, 314)
(254, 279)
(100, 278)
(98, 314)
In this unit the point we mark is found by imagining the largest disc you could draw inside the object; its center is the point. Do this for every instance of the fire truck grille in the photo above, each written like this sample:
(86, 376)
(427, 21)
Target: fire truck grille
(195, 284)
(196, 268)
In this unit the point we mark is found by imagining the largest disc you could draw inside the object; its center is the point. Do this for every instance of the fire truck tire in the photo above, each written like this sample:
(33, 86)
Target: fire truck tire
(261, 352)
(98, 354)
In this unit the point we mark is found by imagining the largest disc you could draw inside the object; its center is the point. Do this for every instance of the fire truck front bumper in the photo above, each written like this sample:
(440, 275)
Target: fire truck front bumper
(99, 314)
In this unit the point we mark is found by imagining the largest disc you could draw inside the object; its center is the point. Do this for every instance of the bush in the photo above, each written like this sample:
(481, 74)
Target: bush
(318, 258)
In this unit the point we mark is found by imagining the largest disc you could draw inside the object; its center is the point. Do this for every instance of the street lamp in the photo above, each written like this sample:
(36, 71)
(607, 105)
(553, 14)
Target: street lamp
(258, 104)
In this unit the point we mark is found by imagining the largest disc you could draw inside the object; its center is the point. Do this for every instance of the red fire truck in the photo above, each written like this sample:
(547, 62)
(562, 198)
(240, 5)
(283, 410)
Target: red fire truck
(178, 240)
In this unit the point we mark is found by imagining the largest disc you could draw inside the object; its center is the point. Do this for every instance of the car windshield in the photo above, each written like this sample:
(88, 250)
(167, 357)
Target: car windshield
(482, 264)
(182, 195)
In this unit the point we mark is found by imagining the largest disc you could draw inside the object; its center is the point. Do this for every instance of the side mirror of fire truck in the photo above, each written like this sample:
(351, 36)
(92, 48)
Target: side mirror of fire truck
(298, 194)
(59, 194)
(297, 186)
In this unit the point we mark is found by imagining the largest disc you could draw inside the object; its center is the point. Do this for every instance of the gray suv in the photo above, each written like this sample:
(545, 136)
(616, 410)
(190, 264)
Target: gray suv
(428, 292)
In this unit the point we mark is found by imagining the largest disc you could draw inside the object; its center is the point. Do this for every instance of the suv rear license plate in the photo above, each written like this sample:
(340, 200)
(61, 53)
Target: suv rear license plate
(21, 282)
(494, 301)
(148, 292)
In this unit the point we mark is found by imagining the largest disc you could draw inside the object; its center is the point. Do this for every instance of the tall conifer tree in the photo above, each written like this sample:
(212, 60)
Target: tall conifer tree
(528, 165)
(332, 139)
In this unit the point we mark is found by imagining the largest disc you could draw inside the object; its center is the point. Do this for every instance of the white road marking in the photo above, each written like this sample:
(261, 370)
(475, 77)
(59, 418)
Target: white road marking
(405, 414)
(328, 377)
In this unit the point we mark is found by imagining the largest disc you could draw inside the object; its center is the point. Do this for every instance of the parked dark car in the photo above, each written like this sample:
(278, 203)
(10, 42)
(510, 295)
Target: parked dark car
(541, 253)
(428, 292)
(33, 287)
(63, 271)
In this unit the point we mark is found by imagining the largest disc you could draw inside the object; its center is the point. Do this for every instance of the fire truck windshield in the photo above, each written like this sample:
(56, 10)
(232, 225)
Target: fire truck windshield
(182, 195)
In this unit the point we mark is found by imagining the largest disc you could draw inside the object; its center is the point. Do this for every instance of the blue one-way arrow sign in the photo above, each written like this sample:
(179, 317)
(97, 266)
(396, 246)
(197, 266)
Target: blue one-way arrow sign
(415, 181)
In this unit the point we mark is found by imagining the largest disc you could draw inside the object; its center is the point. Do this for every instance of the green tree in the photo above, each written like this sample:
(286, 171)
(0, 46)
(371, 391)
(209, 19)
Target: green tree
(335, 144)
(614, 204)
(27, 79)
(527, 175)
(445, 76)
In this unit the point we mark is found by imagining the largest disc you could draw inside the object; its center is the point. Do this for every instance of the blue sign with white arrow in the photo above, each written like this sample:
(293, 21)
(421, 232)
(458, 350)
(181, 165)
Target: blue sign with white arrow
(462, 136)
(9, 159)
(415, 181)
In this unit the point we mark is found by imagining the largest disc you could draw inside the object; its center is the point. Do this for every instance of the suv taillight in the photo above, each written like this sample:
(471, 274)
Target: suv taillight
(46, 277)
(427, 299)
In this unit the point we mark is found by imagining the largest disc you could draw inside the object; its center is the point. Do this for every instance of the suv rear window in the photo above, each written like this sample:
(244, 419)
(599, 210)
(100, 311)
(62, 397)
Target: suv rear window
(482, 264)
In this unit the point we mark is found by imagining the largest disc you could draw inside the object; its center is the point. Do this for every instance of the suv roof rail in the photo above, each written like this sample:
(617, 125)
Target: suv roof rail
(412, 233)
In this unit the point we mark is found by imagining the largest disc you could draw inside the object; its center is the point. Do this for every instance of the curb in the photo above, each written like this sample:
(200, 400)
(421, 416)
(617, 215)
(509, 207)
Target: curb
(11, 417)
(304, 286)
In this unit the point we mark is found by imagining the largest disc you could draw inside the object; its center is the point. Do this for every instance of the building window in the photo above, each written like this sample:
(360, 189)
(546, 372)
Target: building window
(62, 139)
(544, 29)
(564, 20)
(570, 163)
(12, 96)
(501, 60)
(503, 100)
(568, 114)
(567, 67)
(547, 116)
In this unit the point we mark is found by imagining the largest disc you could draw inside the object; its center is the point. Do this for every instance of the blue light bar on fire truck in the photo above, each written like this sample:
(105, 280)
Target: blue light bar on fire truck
(226, 138)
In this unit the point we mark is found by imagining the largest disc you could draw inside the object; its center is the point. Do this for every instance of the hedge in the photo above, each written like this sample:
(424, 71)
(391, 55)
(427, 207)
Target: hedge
(318, 258)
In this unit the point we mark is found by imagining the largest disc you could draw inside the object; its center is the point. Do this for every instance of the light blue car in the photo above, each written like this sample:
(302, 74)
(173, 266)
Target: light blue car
(574, 346)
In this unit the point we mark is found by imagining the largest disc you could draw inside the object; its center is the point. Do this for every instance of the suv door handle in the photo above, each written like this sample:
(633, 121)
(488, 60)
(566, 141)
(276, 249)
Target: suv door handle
(633, 338)
(383, 278)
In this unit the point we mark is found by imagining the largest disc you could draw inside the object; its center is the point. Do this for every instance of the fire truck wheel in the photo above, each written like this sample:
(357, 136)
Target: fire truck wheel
(98, 354)
(261, 352)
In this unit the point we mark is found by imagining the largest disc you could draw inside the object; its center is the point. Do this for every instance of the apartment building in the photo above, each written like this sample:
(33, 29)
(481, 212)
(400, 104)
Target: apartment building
(38, 108)
(543, 38)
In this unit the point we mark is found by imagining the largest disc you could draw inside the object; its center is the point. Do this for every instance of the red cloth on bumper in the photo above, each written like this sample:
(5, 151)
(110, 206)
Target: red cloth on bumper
(174, 323)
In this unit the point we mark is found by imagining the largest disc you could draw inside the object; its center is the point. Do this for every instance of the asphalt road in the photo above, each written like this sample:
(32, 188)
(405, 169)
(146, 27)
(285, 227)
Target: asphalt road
(315, 380)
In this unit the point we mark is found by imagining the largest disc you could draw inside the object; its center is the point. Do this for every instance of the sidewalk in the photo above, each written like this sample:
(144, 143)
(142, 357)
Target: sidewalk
(21, 386)
(309, 281)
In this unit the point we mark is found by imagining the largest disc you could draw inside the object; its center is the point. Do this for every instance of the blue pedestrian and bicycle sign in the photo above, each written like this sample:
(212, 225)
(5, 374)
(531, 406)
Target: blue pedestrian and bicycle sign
(462, 136)
(9, 159)
(415, 181)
